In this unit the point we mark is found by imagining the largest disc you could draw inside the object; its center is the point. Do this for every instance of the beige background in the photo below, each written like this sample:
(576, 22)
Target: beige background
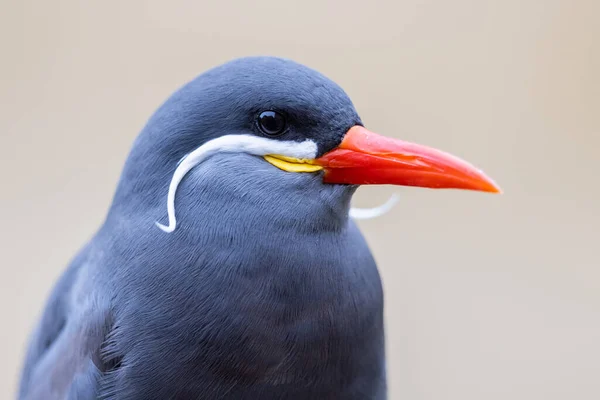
(488, 297)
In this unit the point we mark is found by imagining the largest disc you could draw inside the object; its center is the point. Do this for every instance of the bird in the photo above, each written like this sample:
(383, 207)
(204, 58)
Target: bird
(228, 265)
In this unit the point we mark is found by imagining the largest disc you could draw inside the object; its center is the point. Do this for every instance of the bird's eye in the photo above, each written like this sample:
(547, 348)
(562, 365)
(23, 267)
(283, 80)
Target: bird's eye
(271, 123)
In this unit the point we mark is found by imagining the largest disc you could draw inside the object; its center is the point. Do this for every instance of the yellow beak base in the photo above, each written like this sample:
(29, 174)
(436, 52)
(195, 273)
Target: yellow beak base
(290, 164)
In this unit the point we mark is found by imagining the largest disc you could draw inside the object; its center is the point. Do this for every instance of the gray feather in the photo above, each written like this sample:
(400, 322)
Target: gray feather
(266, 290)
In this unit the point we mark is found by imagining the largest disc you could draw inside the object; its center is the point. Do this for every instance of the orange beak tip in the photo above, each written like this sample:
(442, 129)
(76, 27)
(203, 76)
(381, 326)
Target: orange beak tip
(365, 158)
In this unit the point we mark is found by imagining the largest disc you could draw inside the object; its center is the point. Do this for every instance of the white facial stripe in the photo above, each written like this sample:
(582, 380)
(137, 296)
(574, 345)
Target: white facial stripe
(368, 213)
(249, 144)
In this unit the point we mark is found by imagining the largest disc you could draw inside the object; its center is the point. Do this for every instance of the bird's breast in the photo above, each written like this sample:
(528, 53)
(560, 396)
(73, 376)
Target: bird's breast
(278, 311)
(258, 290)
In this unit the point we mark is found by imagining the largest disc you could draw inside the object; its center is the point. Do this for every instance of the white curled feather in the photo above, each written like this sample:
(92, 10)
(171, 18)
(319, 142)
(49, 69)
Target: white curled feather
(231, 144)
(369, 213)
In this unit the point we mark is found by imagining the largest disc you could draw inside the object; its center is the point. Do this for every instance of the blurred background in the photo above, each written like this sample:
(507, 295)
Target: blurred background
(488, 297)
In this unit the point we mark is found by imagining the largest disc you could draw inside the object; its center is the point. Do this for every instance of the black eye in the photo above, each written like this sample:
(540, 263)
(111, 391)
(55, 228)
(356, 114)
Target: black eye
(271, 122)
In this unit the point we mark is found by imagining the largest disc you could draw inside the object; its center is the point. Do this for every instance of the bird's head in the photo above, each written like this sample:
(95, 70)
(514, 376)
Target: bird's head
(294, 119)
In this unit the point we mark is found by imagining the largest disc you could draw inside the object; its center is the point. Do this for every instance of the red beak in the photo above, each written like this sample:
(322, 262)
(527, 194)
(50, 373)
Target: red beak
(365, 158)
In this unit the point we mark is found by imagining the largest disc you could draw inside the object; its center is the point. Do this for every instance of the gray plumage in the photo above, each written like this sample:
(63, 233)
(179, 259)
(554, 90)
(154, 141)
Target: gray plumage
(266, 289)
